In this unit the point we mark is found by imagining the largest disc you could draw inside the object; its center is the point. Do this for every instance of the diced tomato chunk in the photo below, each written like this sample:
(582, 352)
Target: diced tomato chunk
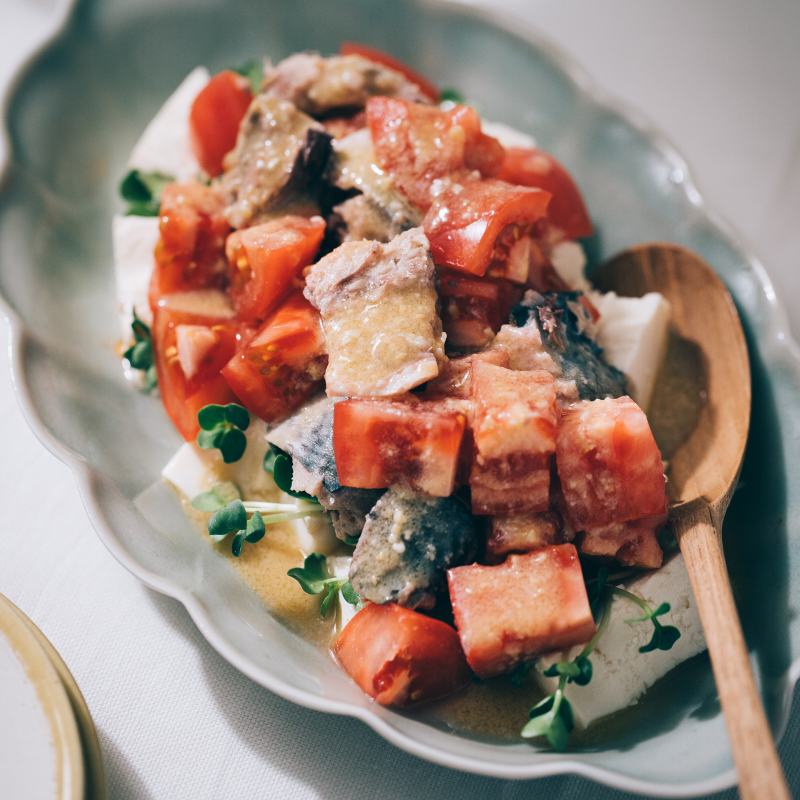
(514, 428)
(189, 372)
(214, 119)
(533, 167)
(400, 657)
(530, 604)
(191, 251)
(418, 144)
(523, 534)
(380, 443)
(473, 309)
(455, 375)
(609, 464)
(379, 57)
(464, 223)
(633, 543)
(266, 260)
(283, 364)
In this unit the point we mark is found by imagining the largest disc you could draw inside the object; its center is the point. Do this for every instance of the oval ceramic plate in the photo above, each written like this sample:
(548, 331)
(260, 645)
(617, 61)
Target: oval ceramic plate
(73, 119)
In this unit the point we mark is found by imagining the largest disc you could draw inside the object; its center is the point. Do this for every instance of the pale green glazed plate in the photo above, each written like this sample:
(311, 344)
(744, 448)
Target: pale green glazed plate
(74, 116)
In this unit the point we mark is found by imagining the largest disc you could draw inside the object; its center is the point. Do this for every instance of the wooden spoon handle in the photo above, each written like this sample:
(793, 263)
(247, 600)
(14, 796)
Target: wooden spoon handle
(757, 762)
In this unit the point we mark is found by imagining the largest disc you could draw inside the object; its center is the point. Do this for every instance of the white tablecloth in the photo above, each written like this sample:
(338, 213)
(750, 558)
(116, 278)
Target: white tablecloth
(721, 78)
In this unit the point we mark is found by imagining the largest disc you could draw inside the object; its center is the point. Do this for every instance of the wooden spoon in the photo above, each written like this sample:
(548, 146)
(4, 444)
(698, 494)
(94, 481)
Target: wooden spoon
(703, 472)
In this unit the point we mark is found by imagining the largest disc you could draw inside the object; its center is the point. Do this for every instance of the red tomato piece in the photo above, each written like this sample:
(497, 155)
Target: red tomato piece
(464, 223)
(473, 309)
(609, 464)
(534, 167)
(418, 144)
(381, 443)
(191, 251)
(283, 364)
(400, 657)
(215, 117)
(210, 316)
(514, 424)
(529, 605)
(379, 57)
(266, 261)
(633, 543)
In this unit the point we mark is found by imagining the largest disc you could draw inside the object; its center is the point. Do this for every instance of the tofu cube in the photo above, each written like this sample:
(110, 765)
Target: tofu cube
(620, 673)
(531, 604)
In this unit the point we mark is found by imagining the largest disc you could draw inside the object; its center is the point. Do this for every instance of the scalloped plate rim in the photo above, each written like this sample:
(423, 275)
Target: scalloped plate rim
(86, 477)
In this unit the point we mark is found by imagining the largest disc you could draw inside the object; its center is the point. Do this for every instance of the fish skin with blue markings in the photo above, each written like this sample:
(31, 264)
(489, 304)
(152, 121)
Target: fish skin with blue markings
(564, 324)
(409, 542)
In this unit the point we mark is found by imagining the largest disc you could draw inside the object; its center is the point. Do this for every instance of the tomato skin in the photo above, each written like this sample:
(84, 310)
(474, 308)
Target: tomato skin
(214, 119)
(267, 259)
(282, 365)
(533, 167)
(378, 443)
(609, 464)
(379, 57)
(183, 399)
(401, 657)
(463, 225)
(190, 253)
(473, 309)
(529, 605)
(418, 144)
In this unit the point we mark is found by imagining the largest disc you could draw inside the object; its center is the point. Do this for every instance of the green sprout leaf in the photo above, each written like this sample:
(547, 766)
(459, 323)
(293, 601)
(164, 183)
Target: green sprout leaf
(238, 543)
(142, 192)
(220, 494)
(255, 528)
(452, 96)
(231, 518)
(283, 473)
(254, 72)
(664, 636)
(352, 540)
(312, 575)
(350, 594)
(578, 671)
(552, 718)
(140, 354)
(222, 429)
(519, 675)
(269, 458)
(313, 579)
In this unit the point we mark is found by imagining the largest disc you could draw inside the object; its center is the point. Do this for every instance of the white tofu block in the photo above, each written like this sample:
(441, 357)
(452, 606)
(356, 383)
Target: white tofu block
(620, 673)
(164, 147)
(506, 135)
(314, 534)
(134, 240)
(569, 261)
(633, 333)
(193, 470)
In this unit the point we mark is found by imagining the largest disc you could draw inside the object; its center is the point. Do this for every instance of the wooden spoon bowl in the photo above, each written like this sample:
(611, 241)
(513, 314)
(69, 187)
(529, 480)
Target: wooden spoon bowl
(703, 471)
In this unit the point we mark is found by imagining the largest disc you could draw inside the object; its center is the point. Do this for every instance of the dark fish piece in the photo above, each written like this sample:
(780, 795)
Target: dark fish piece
(565, 328)
(409, 542)
(279, 157)
(308, 437)
(319, 85)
